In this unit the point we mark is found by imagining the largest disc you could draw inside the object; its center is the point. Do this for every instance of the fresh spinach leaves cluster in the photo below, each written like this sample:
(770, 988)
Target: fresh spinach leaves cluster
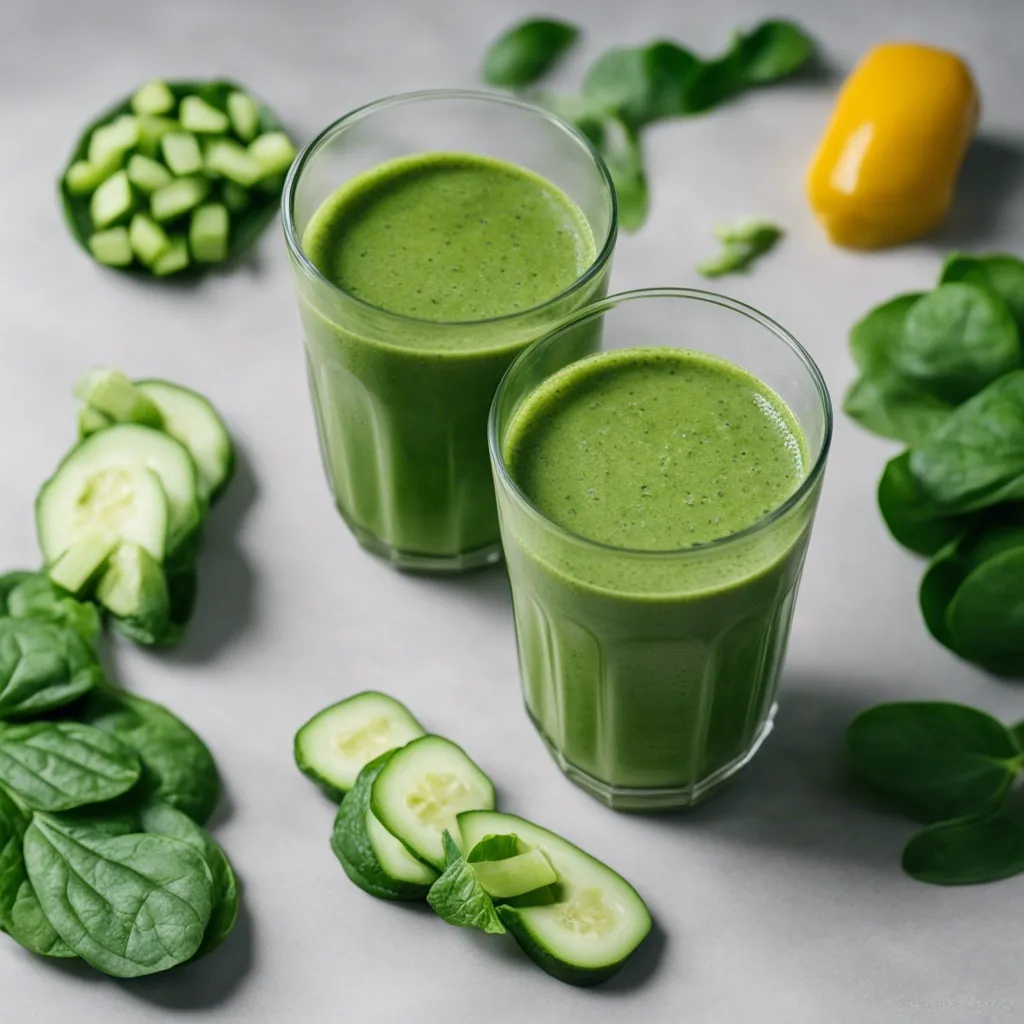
(944, 373)
(952, 767)
(628, 88)
(102, 799)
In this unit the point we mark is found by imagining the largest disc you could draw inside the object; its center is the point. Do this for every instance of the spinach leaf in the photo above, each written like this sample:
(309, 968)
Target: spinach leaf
(975, 458)
(527, 51)
(55, 766)
(36, 597)
(914, 520)
(770, 51)
(968, 851)
(621, 152)
(874, 338)
(42, 666)
(8, 581)
(177, 766)
(587, 115)
(1004, 274)
(891, 407)
(12, 865)
(127, 905)
(458, 897)
(957, 340)
(742, 243)
(940, 760)
(1018, 732)
(494, 847)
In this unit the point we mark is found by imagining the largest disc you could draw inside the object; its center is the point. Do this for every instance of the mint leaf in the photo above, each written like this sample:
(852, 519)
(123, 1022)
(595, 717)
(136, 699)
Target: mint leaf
(968, 851)
(458, 897)
(527, 51)
(743, 242)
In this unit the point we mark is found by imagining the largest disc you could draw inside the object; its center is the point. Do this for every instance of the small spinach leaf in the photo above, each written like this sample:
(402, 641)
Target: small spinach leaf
(891, 407)
(56, 766)
(621, 151)
(770, 51)
(8, 581)
(1002, 273)
(458, 897)
(36, 597)
(875, 337)
(742, 243)
(968, 851)
(527, 51)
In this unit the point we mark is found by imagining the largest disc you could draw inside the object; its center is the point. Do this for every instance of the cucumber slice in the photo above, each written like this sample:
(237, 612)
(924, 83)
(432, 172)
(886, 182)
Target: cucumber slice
(233, 161)
(273, 152)
(196, 115)
(422, 789)
(177, 198)
(91, 491)
(208, 233)
(112, 247)
(149, 240)
(191, 419)
(113, 394)
(110, 142)
(83, 177)
(134, 591)
(244, 114)
(182, 153)
(95, 483)
(335, 744)
(146, 174)
(152, 130)
(153, 98)
(90, 420)
(515, 876)
(82, 562)
(111, 201)
(371, 856)
(593, 920)
(174, 259)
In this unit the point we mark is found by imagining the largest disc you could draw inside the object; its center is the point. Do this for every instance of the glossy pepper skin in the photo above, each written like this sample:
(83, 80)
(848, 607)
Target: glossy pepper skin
(886, 167)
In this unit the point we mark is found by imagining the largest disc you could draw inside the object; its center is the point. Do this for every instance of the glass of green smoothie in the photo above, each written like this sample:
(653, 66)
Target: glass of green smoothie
(657, 461)
(433, 236)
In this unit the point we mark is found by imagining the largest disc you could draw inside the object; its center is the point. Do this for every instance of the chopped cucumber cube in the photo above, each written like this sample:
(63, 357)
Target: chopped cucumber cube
(273, 152)
(177, 198)
(111, 247)
(244, 114)
(81, 563)
(208, 233)
(89, 419)
(235, 197)
(153, 98)
(83, 177)
(174, 259)
(109, 142)
(147, 174)
(196, 115)
(151, 131)
(148, 239)
(182, 153)
(111, 393)
(234, 162)
(111, 201)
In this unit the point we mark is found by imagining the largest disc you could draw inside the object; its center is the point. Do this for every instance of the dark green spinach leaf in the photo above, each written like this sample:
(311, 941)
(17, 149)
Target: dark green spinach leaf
(889, 406)
(1004, 274)
(770, 51)
(874, 337)
(458, 897)
(36, 597)
(968, 851)
(742, 243)
(527, 51)
(621, 151)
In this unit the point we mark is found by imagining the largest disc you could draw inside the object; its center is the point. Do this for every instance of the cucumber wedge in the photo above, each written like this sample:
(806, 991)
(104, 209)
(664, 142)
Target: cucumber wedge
(113, 394)
(334, 745)
(371, 856)
(133, 589)
(106, 481)
(591, 921)
(79, 566)
(422, 789)
(515, 876)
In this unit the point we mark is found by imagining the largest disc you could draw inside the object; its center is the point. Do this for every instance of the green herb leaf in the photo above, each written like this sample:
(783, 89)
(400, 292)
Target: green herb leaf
(127, 905)
(34, 596)
(891, 407)
(968, 851)
(495, 847)
(1003, 274)
(8, 581)
(743, 242)
(581, 111)
(975, 458)
(177, 766)
(42, 666)
(527, 51)
(458, 897)
(957, 340)
(875, 337)
(55, 766)
(770, 51)
(940, 760)
(621, 151)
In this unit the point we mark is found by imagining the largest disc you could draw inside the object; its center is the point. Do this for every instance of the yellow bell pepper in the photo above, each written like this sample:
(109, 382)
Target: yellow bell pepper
(886, 167)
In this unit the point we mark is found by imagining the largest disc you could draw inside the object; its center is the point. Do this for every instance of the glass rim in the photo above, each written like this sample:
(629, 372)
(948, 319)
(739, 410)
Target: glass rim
(310, 150)
(809, 482)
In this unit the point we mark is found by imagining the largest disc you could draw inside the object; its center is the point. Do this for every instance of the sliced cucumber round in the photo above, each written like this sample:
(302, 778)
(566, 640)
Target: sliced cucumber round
(371, 856)
(102, 482)
(335, 744)
(584, 928)
(192, 419)
(420, 791)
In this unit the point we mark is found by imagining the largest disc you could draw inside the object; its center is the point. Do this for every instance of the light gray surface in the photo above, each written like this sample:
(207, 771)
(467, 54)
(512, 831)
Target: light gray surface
(781, 900)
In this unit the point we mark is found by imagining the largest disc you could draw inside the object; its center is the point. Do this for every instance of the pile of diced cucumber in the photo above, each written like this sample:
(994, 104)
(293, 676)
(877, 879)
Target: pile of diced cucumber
(181, 175)
(120, 521)
(417, 821)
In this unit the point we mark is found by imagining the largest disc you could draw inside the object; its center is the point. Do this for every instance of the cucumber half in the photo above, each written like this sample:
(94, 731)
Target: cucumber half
(103, 482)
(584, 928)
(335, 744)
(371, 856)
(420, 791)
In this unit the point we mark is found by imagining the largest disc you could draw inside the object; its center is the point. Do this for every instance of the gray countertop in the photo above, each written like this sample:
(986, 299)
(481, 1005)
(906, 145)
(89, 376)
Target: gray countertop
(782, 899)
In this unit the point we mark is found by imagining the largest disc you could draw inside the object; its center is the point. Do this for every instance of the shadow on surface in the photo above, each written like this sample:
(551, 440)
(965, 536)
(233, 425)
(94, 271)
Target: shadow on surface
(992, 173)
(486, 587)
(642, 965)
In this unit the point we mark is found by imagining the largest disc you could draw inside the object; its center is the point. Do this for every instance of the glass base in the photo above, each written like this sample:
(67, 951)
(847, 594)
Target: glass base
(436, 565)
(661, 798)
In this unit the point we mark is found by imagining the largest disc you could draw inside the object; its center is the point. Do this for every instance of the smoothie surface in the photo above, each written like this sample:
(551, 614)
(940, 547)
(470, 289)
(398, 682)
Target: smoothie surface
(450, 237)
(655, 448)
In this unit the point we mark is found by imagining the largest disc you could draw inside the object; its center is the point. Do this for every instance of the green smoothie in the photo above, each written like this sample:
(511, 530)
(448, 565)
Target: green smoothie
(650, 659)
(440, 262)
